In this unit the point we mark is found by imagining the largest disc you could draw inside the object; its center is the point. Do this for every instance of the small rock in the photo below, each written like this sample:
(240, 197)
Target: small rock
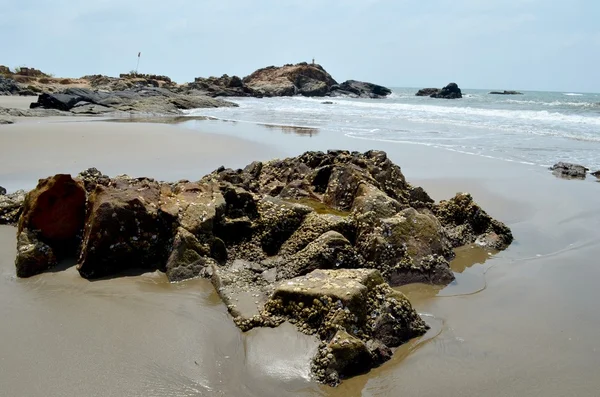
(569, 170)
(33, 256)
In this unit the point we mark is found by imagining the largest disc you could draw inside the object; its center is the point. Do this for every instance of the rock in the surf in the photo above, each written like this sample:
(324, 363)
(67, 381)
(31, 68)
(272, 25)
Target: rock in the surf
(427, 91)
(569, 170)
(451, 91)
(505, 92)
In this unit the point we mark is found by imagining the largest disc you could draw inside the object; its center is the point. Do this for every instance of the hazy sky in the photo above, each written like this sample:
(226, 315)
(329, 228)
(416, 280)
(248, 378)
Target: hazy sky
(501, 44)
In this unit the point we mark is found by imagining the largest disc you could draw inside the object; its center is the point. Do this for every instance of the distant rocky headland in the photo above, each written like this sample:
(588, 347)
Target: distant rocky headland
(156, 94)
(314, 240)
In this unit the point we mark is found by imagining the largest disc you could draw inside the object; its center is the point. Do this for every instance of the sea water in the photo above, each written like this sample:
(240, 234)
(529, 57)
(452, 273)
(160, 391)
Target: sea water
(538, 128)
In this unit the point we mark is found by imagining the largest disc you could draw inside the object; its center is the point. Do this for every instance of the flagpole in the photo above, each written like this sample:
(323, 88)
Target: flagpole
(138, 63)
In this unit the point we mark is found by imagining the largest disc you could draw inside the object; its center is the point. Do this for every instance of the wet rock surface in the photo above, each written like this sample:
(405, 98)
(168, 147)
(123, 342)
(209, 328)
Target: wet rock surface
(313, 240)
(569, 170)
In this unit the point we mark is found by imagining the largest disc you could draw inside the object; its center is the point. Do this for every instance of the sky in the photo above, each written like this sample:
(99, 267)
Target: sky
(550, 45)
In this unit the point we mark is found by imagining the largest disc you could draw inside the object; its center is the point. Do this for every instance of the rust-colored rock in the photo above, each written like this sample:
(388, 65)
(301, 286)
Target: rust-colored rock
(56, 210)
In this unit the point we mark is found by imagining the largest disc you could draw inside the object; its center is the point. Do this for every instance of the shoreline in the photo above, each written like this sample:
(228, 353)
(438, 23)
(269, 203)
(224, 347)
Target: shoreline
(549, 267)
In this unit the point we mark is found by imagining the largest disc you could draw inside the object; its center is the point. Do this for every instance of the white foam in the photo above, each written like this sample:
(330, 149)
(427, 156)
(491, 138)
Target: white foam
(572, 94)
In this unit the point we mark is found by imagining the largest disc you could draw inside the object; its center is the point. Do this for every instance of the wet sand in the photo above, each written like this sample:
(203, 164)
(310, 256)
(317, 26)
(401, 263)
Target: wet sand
(17, 102)
(35, 148)
(519, 323)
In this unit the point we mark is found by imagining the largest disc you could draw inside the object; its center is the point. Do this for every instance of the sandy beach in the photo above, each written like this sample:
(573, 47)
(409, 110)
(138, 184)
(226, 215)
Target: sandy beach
(520, 323)
(33, 149)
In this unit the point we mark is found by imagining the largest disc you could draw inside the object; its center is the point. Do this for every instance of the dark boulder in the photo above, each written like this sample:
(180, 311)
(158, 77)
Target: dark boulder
(569, 170)
(427, 91)
(123, 229)
(451, 91)
(360, 89)
(2, 191)
(9, 86)
(596, 174)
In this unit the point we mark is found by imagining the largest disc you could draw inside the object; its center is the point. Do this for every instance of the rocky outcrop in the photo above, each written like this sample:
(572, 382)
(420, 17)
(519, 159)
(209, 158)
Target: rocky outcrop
(311, 240)
(506, 93)
(288, 80)
(141, 100)
(219, 86)
(569, 170)
(305, 79)
(2, 191)
(350, 311)
(427, 91)
(596, 174)
(6, 120)
(465, 222)
(359, 89)
(9, 86)
(451, 91)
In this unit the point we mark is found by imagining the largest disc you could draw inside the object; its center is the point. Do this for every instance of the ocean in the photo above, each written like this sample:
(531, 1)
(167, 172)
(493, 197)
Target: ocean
(536, 128)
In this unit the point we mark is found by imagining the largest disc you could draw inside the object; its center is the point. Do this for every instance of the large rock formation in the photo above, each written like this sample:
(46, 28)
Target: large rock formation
(451, 91)
(143, 100)
(305, 79)
(288, 80)
(310, 239)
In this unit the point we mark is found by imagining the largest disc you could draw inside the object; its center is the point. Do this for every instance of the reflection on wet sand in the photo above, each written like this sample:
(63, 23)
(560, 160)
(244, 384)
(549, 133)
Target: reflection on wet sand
(470, 279)
(291, 129)
(159, 119)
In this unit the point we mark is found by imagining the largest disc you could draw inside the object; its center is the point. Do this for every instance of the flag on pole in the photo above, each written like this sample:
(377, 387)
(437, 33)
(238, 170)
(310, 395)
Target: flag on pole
(139, 54)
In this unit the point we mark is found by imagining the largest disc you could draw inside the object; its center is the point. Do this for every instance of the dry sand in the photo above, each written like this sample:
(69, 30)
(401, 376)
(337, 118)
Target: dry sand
(521, 323)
